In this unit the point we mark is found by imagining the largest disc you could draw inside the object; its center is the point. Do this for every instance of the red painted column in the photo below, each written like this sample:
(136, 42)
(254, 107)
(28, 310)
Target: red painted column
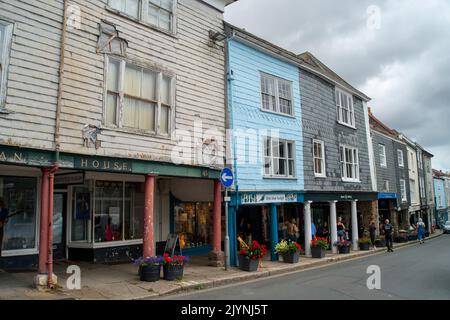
(217, 220)
(148, 249)
(51, 179)
(43, 234)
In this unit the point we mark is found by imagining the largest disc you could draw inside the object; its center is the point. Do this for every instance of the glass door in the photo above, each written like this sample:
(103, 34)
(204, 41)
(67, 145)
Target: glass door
(59, 225)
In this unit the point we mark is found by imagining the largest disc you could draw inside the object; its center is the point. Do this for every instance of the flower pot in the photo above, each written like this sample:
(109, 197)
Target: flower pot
(318, 252)
(249, 265)
(173, 272)
(150, 273)
(364, 246)
(344, 249)
(291, 257)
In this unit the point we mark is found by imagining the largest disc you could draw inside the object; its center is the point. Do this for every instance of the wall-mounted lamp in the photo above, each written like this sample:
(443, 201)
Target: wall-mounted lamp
(217, 36)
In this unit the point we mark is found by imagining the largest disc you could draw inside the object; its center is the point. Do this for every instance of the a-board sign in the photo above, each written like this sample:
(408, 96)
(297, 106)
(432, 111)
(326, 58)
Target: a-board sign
(171, 244)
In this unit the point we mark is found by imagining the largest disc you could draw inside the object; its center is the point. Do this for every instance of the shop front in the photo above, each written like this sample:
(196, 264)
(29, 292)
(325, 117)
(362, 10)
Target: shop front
(261, 216)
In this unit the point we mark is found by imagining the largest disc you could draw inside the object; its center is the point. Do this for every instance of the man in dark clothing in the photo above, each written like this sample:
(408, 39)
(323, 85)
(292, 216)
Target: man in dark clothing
(388, 231)
(3, 221)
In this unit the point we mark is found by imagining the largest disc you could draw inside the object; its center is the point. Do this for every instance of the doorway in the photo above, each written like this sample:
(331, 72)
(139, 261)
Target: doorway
(59, 225)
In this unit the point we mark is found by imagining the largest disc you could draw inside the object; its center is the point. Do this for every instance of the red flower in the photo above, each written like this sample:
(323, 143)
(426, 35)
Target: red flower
(168, 259)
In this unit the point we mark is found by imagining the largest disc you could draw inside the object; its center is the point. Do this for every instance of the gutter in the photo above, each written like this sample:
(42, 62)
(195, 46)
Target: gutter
(60, 82)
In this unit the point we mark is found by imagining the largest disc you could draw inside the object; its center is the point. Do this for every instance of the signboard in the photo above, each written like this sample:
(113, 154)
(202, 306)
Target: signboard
(227, 177)
(255, 198)
(387, 195)
(171, 244)
(103, 164)
(69, 179)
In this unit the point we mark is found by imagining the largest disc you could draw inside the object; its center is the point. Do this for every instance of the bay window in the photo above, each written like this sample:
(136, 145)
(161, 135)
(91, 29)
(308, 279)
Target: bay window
(349, 163)
(345, 109)
(138, 98)
(158, 13)
(279, 158)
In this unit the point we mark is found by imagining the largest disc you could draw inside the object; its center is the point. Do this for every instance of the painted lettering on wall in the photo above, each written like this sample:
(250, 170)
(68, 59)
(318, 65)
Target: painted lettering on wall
(15, 157)
(103, 164)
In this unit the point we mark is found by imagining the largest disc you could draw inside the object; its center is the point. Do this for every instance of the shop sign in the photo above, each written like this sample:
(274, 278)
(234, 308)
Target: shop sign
(69, 179)
(254, 198)
(387, 195)
(102, 164)
(13, 157)
(346, 197)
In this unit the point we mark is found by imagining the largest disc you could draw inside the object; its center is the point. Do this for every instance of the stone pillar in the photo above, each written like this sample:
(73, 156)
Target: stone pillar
(307, 222)
(217, 256)
(273, 231)
(148, 247)
(333, 226)
(355, 224)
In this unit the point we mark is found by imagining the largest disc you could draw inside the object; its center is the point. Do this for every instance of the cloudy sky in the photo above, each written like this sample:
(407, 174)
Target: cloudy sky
(401, 60)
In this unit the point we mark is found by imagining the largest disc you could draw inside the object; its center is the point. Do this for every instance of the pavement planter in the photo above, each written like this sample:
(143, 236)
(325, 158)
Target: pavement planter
(318, 252)
(344, 249)
(150, 273)
(173, 272)
(249, 265)
(291, 257)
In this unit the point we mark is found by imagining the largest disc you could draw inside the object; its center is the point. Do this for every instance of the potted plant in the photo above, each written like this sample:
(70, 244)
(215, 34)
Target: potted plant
(289, 250)
(343, 246)
(380, 242)
(149, 268)
(364, 244)
(249, 256)
(173, 267)
(318, 247)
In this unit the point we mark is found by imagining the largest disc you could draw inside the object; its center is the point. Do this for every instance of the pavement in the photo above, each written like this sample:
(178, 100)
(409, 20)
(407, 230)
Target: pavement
(121, 281)
(417, 272)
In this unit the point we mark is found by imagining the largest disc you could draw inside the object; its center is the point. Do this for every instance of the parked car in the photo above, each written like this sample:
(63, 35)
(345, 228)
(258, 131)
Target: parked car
(446, 227)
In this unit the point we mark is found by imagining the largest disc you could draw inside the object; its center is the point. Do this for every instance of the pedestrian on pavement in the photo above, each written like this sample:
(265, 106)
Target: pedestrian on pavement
(388, 230)
(421, 231)
(340, 229)
(313, 230)
(372, 231)
(3, 221)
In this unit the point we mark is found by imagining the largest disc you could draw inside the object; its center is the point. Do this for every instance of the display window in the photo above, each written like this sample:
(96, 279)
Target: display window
(193, 223)
(19, 195)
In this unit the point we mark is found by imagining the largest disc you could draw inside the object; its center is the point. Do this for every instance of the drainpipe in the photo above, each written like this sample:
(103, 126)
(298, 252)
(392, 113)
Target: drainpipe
(60, 82)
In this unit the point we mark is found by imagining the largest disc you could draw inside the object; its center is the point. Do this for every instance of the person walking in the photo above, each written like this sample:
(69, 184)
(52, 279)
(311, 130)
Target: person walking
(3, 221)
(372, 231)
(421, 231)
(340, 229)
(313, 230)
(388, 230)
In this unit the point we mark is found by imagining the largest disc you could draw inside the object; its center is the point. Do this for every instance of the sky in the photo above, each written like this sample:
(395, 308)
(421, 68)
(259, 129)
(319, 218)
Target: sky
(395, 51)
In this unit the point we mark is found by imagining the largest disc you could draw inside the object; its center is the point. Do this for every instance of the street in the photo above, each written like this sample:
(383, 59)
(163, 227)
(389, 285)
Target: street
(415, 272)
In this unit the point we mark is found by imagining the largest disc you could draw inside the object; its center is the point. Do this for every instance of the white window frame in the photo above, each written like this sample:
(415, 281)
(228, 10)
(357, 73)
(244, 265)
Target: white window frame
(401, 159)
(403, 191)
(120, 103)
(345, 162)
(4, 59)
(412, 187)
(382, 154)
(323, 166)
(340, 107)
(272, 174)
(276, 81)
(386, 185)
(143, 13)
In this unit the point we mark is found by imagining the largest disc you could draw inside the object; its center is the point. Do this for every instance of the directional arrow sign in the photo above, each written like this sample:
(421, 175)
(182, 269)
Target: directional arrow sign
(227, 177)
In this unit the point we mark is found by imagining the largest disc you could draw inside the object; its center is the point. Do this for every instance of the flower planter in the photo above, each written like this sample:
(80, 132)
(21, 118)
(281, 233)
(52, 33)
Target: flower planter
(249, 265)
(150, 273)
(344, 249)
(364, 246)
(291, 257)
(318, 252)
(173, 272)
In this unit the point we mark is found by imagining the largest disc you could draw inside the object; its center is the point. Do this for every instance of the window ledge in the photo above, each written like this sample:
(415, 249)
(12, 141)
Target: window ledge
(346, 125)
(351, 180)
(144, 23)
(278, 113)
(279, 178)
(320, 176)
(138, 132)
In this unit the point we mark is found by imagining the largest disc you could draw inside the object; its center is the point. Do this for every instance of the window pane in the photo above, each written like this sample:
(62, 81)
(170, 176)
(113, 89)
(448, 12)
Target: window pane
(111, 107)
(267, 165)
(134, 210)
(108, 211)
(19, 196)
(149, 85)
(145, 116)
(2, 35)
(132, 8)
(113, 75)
(164, 124)
(282, 167)
(165, 90)
(165, 19)
(153, 13)
(291, 167)
(281, 148)
(267, 147)
(275, 149)
(129, 113)
(167, 4)
(133, 80)
(290, 151)
(117, 4)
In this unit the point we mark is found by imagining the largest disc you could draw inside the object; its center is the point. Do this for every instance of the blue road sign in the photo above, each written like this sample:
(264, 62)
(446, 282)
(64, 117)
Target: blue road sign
(227, 177)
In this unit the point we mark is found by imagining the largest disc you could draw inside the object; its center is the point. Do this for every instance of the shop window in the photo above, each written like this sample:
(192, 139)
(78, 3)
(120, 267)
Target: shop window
(193, 223)
(19, 196)
(81, 214)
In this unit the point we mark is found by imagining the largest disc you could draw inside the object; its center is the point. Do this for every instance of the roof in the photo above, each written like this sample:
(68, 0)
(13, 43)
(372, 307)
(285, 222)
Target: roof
(377, 125)
(306, 62)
